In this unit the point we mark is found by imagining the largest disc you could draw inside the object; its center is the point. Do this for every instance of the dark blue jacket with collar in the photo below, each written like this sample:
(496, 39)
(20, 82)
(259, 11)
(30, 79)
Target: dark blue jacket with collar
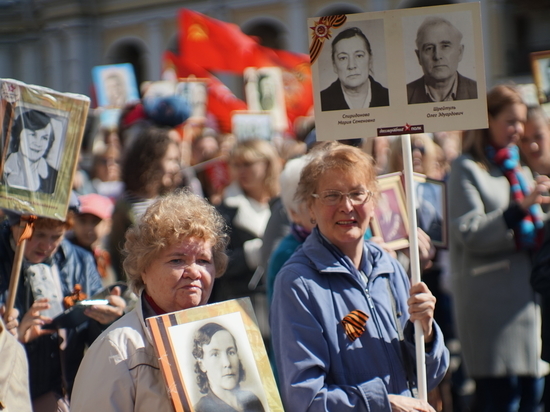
(319, 367)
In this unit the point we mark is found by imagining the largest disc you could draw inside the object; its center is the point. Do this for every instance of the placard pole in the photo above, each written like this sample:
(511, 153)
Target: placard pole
(414, 262)
(15, 270)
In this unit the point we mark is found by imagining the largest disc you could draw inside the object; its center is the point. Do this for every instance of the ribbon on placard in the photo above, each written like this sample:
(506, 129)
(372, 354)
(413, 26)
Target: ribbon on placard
(27, 226)
(321, 31)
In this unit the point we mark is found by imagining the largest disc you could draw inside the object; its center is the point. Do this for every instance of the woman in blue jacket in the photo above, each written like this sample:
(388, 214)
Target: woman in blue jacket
(329, 358)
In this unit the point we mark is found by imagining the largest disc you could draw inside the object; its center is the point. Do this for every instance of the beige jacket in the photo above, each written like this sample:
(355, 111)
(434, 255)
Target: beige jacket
(14, 374)
(120, 372)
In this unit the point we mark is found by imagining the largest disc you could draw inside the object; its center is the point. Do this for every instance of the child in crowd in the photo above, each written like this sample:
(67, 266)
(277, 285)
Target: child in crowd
(91, 226)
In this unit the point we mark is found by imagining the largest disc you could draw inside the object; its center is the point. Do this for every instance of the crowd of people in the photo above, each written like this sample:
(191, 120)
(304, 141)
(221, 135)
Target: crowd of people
(169, 214)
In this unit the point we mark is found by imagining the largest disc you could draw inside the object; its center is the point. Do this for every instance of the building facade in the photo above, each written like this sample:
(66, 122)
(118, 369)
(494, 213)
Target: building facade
(55, 43)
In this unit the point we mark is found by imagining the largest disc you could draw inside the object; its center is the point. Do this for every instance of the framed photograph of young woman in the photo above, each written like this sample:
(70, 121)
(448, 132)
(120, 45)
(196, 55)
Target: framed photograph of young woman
(213, 356)
(431, 208)
(41, 136)
(390, 220)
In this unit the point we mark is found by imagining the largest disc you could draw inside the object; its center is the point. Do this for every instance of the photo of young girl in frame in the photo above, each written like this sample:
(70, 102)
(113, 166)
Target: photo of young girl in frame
(35, 150)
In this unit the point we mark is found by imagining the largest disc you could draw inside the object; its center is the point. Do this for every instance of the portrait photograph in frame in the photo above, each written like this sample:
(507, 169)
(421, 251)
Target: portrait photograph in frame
(540, 67)
(431, 208)
(460, 59)
(392, 55)
(251, 125)
(390, 221)
(190, 344)
(115, 85)
(42, 132)
(195, 91)
(264, 91)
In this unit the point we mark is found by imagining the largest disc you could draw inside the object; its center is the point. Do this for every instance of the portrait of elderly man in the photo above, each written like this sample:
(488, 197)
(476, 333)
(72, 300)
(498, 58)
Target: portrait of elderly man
(439, 50)
(355, 88)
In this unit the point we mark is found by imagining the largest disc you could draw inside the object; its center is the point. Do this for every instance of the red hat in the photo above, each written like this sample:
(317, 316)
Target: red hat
(96, 205)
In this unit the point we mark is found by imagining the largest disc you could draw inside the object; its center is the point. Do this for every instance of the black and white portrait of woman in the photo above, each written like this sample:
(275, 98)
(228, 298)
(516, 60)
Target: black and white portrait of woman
(35, 151)
(353, 68)
(219, 372)
(218, 366)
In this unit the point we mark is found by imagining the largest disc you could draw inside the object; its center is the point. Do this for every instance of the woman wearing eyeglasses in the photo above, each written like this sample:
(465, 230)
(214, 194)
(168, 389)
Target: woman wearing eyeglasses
(341, 303)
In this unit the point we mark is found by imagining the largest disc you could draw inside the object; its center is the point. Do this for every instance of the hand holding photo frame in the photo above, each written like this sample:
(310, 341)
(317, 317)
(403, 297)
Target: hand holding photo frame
(265, 92)
(41, 137)
(190, 344)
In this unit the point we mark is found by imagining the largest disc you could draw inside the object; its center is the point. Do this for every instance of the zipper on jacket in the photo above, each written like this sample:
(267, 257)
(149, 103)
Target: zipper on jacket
(379, 330)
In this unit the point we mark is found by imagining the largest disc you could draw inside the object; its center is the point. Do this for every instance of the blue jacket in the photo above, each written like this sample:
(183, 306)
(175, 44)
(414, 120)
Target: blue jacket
(319, 367)
(76, 265)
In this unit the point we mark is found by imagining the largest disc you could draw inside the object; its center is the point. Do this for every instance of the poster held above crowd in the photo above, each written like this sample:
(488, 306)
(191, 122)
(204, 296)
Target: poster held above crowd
(41, 136)
(393, 88)
(115, 85)
(264, 92)
(41, 133)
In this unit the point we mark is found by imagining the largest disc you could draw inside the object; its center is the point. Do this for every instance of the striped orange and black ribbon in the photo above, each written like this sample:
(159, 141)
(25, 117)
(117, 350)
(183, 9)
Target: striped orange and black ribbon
(354, 323)
(321, 32)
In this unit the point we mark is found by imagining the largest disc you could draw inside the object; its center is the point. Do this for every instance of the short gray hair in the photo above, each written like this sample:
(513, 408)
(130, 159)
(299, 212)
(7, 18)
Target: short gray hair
(432, 21)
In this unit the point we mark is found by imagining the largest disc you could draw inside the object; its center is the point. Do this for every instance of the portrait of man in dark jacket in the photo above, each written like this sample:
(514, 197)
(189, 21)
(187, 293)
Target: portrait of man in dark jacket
(439, 50)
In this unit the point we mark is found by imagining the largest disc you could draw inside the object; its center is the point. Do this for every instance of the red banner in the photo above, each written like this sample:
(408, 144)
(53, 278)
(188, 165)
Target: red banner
(207, 44)
(216, 45)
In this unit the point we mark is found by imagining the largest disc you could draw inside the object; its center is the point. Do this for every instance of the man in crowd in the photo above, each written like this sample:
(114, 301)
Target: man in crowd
(52, 270)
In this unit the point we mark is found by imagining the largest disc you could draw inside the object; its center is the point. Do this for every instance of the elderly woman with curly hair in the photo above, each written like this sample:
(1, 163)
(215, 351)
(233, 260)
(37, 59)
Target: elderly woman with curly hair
(219, 372)
(174, 253)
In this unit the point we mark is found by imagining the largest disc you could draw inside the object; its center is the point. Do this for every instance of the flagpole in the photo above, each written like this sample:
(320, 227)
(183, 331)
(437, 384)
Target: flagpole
(414, 262)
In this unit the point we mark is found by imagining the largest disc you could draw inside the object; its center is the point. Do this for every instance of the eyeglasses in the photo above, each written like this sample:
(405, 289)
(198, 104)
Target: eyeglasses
(334, 197)
(420, 148)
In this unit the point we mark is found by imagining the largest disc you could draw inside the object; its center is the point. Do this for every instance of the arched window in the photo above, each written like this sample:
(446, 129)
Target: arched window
(129, 52)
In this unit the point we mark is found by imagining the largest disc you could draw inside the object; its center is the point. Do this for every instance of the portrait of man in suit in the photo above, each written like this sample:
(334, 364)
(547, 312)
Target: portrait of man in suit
(439, 50)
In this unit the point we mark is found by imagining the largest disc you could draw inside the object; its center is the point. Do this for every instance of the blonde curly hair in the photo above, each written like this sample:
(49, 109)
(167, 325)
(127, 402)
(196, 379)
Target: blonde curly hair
(172, 218)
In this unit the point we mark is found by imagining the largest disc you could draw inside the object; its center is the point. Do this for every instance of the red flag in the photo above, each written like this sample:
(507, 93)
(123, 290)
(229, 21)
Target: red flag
(216, 45)
(207, 44)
